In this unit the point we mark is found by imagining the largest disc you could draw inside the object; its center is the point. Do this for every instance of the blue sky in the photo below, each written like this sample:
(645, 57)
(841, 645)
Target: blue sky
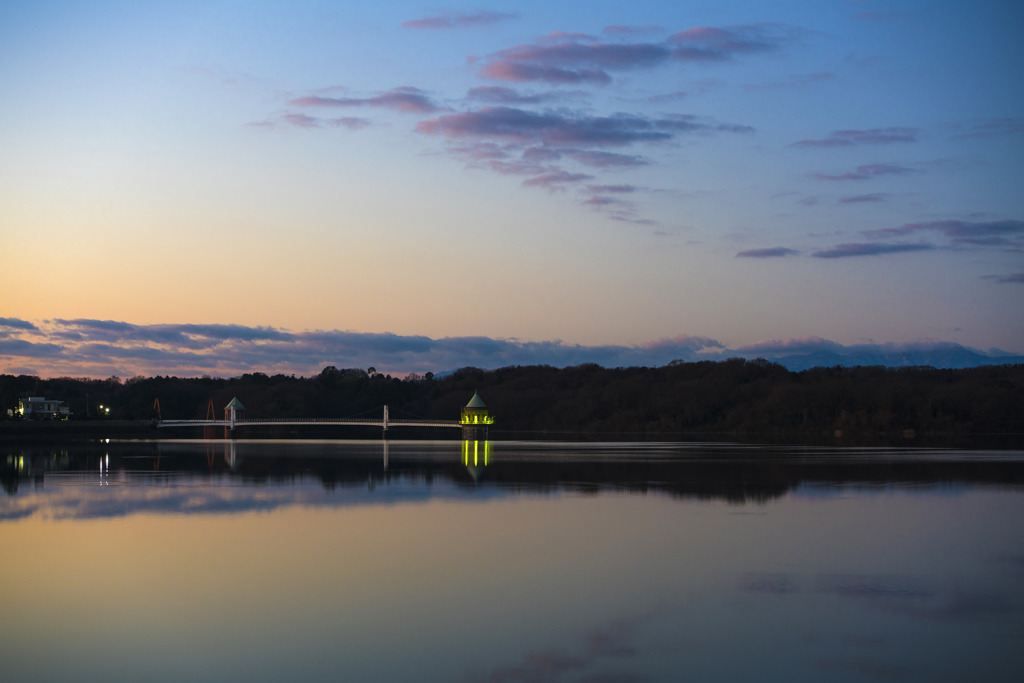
(597, 173)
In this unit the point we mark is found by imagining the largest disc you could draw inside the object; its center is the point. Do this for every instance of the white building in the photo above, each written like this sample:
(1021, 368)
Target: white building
(39, 408)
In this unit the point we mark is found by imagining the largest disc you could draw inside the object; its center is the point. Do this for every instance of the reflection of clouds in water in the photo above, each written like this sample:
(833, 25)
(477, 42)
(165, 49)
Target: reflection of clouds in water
(875, 586)
(537, 666)
(613, 640)
(912, 596)
(960, 606)
(87, 503)
(189, 497)
(16, 514)
(609, 645)
(770, 583)
(865, 668)
(916, 596)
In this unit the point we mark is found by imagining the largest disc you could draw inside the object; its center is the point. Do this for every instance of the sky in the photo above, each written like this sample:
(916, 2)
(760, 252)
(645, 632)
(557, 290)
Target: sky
(220, 187)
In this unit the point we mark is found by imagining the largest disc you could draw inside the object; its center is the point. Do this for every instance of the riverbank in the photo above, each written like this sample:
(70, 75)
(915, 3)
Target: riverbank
(77, 430)
(16, 432)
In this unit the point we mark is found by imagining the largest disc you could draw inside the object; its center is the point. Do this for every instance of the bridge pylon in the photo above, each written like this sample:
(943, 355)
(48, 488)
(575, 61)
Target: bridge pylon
(211, 414)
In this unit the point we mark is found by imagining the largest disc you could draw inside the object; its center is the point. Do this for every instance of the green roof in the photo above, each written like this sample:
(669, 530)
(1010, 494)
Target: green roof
(476, 402)
(236, 404)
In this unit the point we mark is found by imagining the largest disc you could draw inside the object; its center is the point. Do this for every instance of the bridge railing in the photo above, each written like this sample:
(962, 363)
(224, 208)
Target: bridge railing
(385, 422)
(297, 420)
(310, 421)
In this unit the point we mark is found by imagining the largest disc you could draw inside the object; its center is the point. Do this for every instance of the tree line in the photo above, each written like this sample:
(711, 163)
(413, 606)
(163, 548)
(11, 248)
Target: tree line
(732, 396)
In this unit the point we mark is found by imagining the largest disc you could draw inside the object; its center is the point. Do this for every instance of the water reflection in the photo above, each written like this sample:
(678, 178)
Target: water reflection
(230, 476)
(476, 468)
(509, 562)
(400, 469)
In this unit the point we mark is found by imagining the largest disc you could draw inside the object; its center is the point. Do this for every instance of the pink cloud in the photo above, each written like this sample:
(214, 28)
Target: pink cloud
(451, 20)
(711, 44)
(350, 122)
(1008, 233)
(1015, 279)
(302, 121)
(864, 198)
(630, 30)
(551, 128)
(556, 180)
(870, 249)
(612, 189)
(599, 200)
(772, 252)
(870, 136)
(405, 99)
(867, 172)
(561, 58)
(511, 71)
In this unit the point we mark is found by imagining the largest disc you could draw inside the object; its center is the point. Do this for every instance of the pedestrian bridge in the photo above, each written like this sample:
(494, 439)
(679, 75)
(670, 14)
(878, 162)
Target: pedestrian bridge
(234, 421)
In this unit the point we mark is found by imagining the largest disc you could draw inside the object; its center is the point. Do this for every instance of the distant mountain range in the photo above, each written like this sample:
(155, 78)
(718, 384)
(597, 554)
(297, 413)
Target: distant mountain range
(952, 356)
(942, 355)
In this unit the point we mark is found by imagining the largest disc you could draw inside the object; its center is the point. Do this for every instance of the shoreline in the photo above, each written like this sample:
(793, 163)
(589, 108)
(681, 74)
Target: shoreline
(13, 432)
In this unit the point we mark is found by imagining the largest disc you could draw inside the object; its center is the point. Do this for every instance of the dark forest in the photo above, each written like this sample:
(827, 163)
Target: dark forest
(733, 396)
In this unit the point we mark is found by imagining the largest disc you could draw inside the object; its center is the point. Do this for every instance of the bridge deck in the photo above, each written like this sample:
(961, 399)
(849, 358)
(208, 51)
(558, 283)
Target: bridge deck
(308, 421)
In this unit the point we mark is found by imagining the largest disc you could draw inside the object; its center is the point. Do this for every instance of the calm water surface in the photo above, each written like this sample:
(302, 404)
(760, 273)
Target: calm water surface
(509, 562)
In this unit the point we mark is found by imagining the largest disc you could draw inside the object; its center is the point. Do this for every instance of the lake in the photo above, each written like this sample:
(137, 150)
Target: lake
(509, 562)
